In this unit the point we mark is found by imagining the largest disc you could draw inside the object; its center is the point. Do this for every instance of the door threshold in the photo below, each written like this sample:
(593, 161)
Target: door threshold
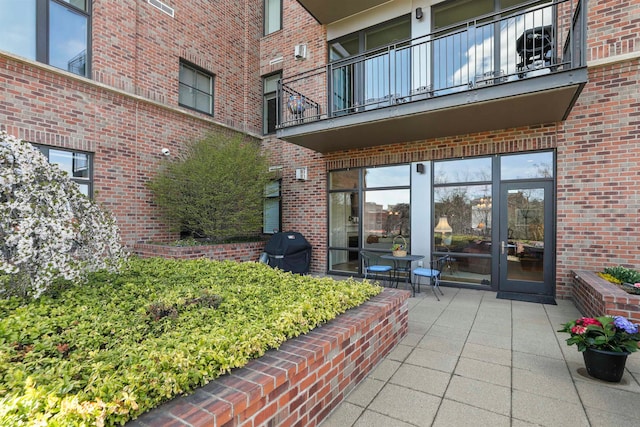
(539, 299)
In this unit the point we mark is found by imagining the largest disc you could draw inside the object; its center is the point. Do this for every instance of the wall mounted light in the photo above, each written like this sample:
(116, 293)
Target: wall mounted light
(420, 167)
(419, 14)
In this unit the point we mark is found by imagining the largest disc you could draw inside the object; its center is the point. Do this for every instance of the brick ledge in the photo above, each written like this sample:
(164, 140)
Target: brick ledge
(302, 381)
(594, 296)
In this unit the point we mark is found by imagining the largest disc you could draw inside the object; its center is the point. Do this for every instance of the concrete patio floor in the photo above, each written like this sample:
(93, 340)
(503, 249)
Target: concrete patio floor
(472, 359)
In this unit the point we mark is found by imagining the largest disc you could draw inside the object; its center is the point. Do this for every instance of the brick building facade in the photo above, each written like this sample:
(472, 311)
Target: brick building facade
(128, 108)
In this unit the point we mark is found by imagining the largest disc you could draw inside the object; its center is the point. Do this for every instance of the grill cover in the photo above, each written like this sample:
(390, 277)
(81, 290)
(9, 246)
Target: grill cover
(289, 251)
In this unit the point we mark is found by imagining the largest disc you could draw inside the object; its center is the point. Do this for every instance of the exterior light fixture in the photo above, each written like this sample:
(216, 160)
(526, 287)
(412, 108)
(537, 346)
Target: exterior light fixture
(419, 13)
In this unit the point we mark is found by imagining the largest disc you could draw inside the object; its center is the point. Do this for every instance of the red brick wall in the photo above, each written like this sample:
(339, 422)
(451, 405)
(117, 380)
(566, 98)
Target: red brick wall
(595, 296)
(136, 50)
(240, 252)
(302, 381)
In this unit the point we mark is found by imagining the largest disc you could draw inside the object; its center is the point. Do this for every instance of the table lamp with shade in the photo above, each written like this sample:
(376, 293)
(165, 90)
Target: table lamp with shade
(445, 229)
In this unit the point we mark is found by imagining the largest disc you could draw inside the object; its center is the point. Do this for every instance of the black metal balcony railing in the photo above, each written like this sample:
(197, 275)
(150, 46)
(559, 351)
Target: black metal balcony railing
(490, 50)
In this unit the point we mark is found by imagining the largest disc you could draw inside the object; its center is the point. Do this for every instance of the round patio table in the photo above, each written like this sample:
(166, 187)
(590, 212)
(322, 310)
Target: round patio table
(402, 264)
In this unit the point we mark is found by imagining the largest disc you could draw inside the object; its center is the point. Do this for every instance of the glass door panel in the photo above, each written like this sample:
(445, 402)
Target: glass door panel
(526, 244)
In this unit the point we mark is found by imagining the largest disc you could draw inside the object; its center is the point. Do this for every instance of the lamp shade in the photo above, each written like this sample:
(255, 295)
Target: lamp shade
(443, 226)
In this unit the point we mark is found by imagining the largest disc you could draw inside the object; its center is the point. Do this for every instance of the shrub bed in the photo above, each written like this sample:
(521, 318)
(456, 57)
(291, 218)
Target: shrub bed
(105, 352)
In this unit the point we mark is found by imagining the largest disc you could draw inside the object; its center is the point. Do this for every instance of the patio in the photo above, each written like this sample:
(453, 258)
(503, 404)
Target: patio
(497, 362)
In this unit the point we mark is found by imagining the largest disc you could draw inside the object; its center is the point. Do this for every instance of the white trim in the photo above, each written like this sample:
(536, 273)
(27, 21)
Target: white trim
(613, 59)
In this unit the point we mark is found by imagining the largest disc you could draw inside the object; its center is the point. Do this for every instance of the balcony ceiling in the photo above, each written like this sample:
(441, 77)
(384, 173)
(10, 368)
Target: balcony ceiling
(536, 101)
(328, 11)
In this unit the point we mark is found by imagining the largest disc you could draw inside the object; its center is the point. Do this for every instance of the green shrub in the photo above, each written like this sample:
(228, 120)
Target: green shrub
(216, 190)
(623, 274)
(105, 352)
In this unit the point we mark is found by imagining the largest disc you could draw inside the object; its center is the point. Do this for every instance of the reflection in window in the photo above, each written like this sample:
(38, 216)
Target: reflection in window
(49, 31)
(269, 113)
(18, 27)
(196, 89)
(77, 166)
(272, 16)
(344, 180)
(463, 210)
(271, 209)
(68, 39)
(389, 176)
(367, 218)
(385, 215)
(526, 166)
(466, 170)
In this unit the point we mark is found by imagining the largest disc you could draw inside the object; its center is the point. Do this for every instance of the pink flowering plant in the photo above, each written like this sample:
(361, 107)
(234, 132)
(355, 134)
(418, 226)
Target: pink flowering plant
(610, 333)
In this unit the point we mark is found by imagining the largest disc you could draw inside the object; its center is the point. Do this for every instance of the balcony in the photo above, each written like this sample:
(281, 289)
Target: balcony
(328, 11)
(522, 68)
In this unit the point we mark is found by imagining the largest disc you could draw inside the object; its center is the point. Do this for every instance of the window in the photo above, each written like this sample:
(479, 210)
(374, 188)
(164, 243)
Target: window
(271, 212)
(368, 207)
(76, 164)
(272, 16)
(196, 88)
(55, 32)
(383, 74)
(269, 112)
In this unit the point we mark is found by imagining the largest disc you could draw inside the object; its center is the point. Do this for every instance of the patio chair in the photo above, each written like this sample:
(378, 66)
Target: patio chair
(433, 273)
(371, 267)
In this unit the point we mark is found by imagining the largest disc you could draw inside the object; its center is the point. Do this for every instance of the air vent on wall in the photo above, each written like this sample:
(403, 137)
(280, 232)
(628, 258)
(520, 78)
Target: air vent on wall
(163, 7)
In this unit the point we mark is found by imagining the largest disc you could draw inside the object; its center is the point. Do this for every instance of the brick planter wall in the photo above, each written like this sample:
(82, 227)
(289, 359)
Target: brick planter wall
(302, 381)
(249, 251)
(594, 296)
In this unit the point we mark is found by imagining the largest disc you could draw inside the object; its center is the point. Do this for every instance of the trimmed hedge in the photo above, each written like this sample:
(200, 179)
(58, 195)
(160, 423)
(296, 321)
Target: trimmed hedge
(103, 353)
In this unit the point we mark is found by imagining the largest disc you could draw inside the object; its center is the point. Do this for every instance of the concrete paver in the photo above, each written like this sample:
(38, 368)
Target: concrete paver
(473, 359)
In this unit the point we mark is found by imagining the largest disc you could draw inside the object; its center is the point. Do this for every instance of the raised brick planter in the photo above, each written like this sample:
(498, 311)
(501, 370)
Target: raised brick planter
(249, 251)
(302, 381)
(594, 296)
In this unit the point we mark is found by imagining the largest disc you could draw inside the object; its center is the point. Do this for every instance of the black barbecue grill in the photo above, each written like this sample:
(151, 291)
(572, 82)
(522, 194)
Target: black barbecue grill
(289, 251)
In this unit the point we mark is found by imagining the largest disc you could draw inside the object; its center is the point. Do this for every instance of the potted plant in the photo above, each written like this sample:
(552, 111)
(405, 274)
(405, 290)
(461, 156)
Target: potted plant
(605, 343)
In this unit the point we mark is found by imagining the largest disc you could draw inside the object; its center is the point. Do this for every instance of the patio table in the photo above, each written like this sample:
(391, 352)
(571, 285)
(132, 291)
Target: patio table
(398, 267)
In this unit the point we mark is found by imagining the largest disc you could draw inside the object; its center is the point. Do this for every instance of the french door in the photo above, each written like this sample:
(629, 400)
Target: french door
(525, 246)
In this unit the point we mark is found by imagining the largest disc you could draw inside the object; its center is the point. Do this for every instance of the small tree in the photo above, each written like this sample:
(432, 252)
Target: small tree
(48, 228)
(216, 190)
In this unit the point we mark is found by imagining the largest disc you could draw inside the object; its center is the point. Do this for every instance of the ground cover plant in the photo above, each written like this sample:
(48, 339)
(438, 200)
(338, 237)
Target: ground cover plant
(106, 351)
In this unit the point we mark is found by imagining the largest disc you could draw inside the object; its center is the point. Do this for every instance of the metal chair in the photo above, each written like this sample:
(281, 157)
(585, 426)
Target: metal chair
(432, 273)
(373, 269)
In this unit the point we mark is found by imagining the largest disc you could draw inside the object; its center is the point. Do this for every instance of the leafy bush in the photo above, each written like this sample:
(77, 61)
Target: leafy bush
(48, 228)
(216, 191)
(104, 353)
(622, 274)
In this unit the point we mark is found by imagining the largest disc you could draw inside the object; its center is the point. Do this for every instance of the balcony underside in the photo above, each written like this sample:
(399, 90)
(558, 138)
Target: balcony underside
(328, 11)
(540, 100)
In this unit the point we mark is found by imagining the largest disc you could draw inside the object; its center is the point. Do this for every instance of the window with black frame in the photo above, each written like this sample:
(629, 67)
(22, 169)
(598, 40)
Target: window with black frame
(53, 32)
(368, 209)
(196, 88)
(269, 103)
(78, 166)
(272, 207)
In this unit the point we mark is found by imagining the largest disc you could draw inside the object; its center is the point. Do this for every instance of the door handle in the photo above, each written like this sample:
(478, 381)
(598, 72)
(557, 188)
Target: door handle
(502, 245)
